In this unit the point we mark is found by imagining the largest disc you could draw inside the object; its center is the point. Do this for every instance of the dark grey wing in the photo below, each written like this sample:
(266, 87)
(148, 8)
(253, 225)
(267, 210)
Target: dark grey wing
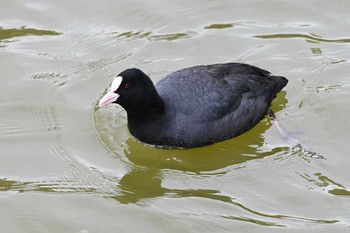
(204, 101)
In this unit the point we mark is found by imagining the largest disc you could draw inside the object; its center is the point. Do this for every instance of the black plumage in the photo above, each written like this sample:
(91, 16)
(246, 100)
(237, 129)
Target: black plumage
(197, 106)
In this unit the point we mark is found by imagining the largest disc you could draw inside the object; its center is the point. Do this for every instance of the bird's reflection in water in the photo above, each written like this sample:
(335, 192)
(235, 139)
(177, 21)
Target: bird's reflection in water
(144, 180)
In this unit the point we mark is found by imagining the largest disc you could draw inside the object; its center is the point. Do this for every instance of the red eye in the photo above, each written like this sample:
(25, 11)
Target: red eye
(126, 86)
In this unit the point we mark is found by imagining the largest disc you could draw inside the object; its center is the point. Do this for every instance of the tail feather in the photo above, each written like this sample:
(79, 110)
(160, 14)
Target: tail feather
(280, 82)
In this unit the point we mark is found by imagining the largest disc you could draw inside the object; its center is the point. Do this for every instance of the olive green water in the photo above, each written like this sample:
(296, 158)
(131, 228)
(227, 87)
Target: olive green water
(66, 166)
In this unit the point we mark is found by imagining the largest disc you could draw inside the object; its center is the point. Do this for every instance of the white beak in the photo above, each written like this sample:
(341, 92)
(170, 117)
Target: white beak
(111, 96)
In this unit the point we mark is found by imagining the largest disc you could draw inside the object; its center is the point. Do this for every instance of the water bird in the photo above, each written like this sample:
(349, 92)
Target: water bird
(195, 106)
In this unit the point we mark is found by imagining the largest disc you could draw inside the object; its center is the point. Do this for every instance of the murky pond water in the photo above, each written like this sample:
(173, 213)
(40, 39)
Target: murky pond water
(67, 166)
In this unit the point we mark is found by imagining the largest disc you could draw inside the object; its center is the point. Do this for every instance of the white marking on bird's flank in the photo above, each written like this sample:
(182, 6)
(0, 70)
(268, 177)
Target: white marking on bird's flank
(116, 83)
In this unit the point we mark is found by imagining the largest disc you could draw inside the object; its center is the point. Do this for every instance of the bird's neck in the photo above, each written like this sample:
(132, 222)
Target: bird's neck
(150, 109)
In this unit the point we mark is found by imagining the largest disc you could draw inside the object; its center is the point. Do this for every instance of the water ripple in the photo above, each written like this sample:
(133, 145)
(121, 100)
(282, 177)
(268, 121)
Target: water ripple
(155, 37)
(312, 38)
(10, 33)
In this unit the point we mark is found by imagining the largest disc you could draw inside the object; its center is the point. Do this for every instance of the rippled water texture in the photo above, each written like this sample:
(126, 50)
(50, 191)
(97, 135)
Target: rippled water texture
(67, 166)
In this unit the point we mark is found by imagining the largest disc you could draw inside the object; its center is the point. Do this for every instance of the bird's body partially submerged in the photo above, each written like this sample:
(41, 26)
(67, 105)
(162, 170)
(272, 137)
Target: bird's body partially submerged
(196, 106)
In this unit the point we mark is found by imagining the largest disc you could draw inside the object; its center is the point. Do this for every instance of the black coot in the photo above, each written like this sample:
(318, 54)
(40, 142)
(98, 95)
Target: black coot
(196, 106)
